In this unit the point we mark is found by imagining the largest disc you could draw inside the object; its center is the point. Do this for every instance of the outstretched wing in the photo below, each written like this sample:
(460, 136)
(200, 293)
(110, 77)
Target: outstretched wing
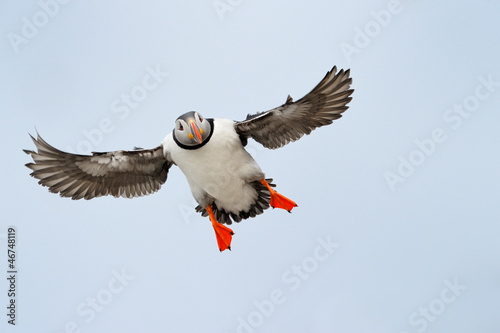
(120, 173)
(290, 121)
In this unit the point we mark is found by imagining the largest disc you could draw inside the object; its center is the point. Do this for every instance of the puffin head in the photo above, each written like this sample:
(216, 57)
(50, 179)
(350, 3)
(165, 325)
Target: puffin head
(192, 130)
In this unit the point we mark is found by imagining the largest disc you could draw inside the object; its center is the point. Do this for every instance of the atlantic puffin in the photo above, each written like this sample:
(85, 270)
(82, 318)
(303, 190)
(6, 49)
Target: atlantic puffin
(226, 182)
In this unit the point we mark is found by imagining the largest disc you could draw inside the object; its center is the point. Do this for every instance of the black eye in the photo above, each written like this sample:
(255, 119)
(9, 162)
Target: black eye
(181, 128)
(201, 119)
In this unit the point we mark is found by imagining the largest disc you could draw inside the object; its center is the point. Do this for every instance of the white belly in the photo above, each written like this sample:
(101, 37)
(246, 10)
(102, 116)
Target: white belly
(222, 169)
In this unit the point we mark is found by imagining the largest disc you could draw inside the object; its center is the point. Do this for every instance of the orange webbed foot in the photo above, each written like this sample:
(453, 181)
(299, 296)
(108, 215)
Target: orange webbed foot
(223, 234)
(278, 200)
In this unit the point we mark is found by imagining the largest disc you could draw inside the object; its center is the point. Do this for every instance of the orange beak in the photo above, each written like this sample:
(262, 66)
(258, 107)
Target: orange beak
(197, 135)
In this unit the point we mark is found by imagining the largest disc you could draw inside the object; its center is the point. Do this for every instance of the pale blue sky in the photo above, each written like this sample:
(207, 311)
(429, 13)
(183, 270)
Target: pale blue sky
(403, 188)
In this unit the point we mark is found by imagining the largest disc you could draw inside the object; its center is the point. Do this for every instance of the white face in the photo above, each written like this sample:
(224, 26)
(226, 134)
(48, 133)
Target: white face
(191, 129)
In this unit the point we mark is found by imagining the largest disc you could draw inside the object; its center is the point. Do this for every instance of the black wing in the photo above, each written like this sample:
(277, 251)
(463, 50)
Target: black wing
(120, 173)
(290, 121)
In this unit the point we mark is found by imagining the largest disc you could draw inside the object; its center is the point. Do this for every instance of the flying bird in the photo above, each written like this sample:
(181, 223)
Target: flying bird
(226, 182)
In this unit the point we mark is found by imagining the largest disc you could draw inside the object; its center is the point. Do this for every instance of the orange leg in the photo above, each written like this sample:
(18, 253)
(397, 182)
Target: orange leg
(223, 234)
(278, 200)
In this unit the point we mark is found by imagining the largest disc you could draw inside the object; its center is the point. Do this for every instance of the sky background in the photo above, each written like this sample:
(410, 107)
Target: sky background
(397, 228)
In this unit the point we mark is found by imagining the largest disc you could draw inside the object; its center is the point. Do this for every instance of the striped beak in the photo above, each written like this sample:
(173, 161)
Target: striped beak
(195, 135)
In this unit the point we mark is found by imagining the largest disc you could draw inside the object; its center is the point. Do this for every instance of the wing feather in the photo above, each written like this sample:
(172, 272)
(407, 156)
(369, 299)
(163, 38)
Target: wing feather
(290, 121)
(120, 173)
